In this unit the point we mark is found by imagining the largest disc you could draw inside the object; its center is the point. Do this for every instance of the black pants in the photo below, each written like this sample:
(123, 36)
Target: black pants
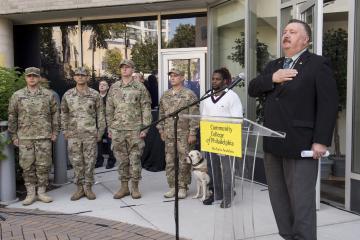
(104, 147)
(292, 184)
(221, 176)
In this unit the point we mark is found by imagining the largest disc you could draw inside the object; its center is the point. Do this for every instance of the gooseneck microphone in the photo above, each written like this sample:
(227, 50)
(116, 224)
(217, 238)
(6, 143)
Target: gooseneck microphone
(240, 77)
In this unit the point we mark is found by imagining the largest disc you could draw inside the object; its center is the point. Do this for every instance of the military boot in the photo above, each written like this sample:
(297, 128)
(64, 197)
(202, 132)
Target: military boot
(42, 196)
(89, 193)
(182, 193)
(170, 193)
(135, 193)
(123, 191)
(78, 194)
(30, 195)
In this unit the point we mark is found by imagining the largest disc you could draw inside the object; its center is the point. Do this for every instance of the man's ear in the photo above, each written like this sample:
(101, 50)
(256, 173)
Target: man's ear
(307, 39)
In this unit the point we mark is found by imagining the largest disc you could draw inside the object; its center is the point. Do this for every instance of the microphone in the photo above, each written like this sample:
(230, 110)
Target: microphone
(237, 80)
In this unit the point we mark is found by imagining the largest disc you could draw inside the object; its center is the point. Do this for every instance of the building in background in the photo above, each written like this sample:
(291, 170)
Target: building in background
(198, 37)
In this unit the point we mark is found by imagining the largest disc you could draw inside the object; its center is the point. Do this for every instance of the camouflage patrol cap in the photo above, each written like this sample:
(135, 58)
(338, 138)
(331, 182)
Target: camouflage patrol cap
(176, 71)
(127, 62)
(32, 71)
(81, 71)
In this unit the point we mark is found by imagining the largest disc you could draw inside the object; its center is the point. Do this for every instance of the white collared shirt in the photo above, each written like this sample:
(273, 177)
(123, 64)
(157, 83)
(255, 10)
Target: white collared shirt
(296, 57)
(228, 105)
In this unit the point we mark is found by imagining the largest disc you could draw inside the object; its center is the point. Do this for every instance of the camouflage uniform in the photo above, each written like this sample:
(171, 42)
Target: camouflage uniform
(127, 111)
(83, 123)
(33, 119)
(169, 103)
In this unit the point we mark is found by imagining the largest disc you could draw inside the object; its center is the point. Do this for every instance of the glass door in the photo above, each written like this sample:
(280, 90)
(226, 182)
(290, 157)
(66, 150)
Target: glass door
(191, 62)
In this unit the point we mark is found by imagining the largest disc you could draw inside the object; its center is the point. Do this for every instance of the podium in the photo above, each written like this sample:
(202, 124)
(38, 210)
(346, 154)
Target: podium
(231, 146)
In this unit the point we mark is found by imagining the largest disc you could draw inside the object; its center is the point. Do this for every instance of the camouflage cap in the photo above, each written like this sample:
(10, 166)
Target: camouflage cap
(127, 62)
(81, 71)
(32, 71)
(176, 71)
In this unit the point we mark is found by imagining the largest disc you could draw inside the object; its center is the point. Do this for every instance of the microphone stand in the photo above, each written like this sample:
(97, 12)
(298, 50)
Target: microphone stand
(175, 116)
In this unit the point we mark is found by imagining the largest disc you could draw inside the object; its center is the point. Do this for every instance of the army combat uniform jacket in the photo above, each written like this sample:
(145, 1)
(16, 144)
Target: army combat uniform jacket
(82, 115)
(169, 103)
(128, 106)
(33, 115)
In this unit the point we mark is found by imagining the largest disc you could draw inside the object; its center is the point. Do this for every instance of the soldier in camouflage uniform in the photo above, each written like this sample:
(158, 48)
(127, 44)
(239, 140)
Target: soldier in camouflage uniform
(33, 124)
(128, 109)
(83, 124)
(176, 97)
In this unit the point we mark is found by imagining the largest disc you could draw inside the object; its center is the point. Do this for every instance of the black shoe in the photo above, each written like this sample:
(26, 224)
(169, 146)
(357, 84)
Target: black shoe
(110, 165)
(209, 200)
(225, 204)
(98, 164)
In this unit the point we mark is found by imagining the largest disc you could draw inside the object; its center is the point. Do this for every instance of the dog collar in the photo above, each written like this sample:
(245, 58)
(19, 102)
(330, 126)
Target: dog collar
(200, 162)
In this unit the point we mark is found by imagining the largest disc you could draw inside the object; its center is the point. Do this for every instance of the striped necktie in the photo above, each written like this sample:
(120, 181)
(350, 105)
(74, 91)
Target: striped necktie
(287, 63)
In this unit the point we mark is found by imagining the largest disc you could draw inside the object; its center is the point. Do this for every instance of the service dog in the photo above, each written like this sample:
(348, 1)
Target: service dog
(199, 167)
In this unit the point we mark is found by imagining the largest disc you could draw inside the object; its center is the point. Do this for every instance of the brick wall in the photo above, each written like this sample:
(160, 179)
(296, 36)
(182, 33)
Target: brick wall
(23, 6)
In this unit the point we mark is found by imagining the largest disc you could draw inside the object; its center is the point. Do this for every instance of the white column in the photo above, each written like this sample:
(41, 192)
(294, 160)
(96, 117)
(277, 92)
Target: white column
(6, 43)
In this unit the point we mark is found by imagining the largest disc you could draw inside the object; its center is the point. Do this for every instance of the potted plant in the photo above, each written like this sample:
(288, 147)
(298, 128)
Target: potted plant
(10, 81)
(335, 49)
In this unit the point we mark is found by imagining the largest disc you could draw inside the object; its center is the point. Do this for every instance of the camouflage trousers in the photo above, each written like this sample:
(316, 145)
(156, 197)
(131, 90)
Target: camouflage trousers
(184, 168)
(35, 160)
(128, 147)
(82, 154)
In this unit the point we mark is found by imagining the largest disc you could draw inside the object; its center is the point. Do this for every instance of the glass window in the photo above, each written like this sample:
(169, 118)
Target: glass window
(106, 44)
(228, 44)
(355, 166)
(265, 37)
(59, 55)
(184, 32)
(229, 37)
(335, 43)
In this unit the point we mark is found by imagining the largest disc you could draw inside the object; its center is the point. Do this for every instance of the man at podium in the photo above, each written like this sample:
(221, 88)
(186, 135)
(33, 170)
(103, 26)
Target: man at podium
(301, 100)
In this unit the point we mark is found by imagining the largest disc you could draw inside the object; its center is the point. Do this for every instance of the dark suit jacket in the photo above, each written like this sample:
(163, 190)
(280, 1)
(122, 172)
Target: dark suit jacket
(305, 108)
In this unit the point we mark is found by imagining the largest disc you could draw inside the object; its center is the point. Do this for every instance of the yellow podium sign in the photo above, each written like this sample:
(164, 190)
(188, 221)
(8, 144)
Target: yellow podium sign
(222, 138)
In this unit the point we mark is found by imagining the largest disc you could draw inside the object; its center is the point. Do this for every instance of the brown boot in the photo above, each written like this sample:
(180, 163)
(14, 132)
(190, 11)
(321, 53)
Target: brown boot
(42, 196)
(123, 191)
(30, 195)
(135, 193)
(89, 193)
(78, 194)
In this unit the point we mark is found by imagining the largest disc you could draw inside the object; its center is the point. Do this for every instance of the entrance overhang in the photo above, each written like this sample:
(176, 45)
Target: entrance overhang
(124, 9)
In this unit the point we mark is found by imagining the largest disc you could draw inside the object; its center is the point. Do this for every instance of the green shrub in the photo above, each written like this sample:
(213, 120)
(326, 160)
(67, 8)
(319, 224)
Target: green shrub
(11, 80)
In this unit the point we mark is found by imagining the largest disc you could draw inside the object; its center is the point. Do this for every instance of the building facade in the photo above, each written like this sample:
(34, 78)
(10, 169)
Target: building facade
(198, 36)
